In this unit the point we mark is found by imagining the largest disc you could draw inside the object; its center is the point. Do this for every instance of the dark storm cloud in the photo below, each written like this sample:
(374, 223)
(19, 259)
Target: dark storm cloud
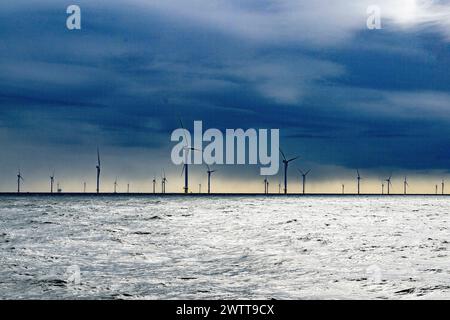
(340, 94)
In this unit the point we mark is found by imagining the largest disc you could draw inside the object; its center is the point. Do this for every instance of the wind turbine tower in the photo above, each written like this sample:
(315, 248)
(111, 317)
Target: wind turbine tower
(359, 181)
(98, 166)
(304, 174)
(265, 185)
(115, 186)
(286, 164)
(163, 182)
(187, 148)
(389, 184)
(52, 180)
(405, 186)
(19, 178)
(209, 178)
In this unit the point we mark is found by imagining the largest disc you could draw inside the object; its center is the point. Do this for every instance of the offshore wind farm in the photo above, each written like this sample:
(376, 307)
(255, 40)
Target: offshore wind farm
(300, 188)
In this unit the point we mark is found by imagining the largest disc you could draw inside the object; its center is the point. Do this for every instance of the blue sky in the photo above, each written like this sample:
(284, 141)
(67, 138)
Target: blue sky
(343, 96)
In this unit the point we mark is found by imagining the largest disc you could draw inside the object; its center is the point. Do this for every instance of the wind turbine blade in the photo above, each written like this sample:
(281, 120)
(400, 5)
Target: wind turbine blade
(209, 169)
(290, 160)
(307, 172)
(282, 154)
(357, 171)
(181, 123)
(98, 156)
(301, 172)
(182, 170)
(184, 132)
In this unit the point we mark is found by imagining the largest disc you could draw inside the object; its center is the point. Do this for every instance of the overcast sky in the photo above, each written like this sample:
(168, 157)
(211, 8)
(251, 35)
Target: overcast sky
(343, 96)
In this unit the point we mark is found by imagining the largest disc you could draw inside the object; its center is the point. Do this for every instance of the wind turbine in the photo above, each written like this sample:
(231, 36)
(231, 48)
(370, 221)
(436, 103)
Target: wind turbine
(19, 177)
(443, 186)
(382, 188)
(154, 184)
(52, 179)
(265, 185)
(115, 186)
(163, 182)
(389, 184)
(405, 185)
(209, 178)
(286, 164)
(185, 170)
(343, 189)
(84, 187)
(436, 189)
(128, 188)
(359, 180)
(304, 174)
(98, 166)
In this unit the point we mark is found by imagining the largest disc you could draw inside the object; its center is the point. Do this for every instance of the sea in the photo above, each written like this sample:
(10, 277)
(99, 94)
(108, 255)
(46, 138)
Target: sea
(223, 247)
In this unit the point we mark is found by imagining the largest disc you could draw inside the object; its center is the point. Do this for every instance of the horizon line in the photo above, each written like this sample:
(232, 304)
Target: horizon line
(171, 194)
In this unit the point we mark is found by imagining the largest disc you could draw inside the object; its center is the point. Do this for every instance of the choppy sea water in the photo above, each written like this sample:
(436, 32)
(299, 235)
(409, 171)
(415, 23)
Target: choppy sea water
(224, 247)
